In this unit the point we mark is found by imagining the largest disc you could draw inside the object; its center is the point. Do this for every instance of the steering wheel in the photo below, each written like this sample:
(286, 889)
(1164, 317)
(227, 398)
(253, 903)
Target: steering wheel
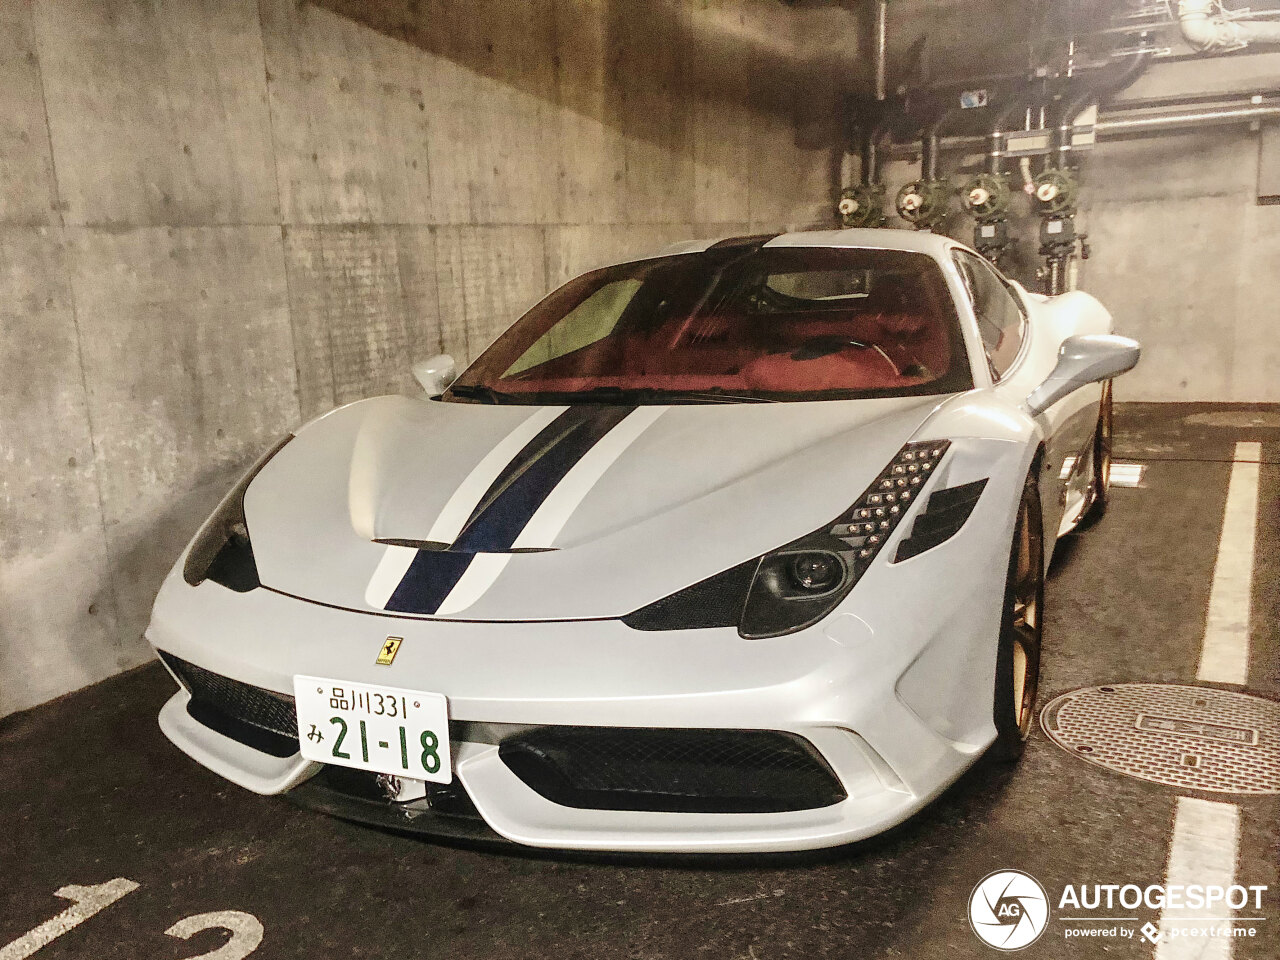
(828, 344)
(822, 346)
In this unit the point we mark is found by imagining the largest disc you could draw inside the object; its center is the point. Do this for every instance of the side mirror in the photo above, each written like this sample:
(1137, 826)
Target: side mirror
(1081, 360)
(436, 373)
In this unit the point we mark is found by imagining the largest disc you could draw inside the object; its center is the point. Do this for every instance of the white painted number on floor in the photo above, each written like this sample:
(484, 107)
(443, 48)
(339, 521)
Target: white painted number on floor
(246, 933)
(245, 928)
(85, 902)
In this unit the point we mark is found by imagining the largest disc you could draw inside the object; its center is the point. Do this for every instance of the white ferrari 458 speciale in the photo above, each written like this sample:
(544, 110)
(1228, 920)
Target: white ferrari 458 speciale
(739, 547)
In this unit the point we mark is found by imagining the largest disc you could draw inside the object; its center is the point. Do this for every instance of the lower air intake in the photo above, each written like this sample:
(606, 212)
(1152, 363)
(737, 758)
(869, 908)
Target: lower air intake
(683, 771)
(254, 716)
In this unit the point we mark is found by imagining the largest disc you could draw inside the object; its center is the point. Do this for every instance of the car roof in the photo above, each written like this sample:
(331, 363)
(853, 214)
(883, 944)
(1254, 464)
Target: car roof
(916, 241)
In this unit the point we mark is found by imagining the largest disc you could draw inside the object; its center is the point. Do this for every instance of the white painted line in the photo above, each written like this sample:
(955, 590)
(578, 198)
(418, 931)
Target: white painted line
(1122, 474)
(86, 902)
(1224, 657)
(1127, 474)
(464, 500)
(387, 575)
(1206, 836)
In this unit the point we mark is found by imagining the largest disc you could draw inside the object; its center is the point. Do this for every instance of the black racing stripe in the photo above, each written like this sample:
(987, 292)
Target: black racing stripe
(430, 577)
(529, 478)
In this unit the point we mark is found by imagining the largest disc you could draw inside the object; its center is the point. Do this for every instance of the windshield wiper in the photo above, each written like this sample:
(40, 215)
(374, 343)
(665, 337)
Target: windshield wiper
(616, 394)
(656, 395)
(478, 391)
(718, 395)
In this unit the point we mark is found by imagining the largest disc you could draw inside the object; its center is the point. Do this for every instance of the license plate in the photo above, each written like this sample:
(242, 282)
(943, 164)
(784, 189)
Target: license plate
(381, 729)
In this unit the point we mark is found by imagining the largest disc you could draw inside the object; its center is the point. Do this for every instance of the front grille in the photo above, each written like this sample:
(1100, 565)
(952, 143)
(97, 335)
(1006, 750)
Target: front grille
(688, 771)
(256, 717)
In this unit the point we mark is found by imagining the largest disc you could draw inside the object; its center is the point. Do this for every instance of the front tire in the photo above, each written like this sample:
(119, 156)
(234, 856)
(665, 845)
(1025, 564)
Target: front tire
(1021, 630)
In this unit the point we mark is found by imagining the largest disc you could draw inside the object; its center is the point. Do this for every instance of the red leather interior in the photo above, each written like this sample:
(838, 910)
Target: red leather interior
(856, 368)
(734, 353)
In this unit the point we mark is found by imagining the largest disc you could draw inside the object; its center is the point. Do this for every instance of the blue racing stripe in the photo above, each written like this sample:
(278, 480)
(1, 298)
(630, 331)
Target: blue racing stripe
(507, 506)
(430, 577)
(514, 497)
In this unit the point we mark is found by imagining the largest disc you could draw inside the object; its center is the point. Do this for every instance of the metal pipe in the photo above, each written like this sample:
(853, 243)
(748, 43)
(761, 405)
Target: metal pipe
(929, 143)
(881, 47)
(1209, 28)
(870, 134)
(995, 139)
(1095, 93)
(970, 82)
(1167, 121)
(869, 156)
(1193, 99)
(1118, 124)
(1054, 284)
(929, 154)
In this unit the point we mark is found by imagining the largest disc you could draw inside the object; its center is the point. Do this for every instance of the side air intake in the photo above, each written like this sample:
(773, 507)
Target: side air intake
(944, 513)
(258, 718)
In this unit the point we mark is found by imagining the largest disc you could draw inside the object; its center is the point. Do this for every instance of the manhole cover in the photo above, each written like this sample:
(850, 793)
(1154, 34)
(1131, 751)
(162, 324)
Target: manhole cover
(1195, 738)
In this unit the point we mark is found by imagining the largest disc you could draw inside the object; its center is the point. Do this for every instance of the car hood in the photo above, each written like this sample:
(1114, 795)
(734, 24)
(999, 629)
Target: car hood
(560, 512)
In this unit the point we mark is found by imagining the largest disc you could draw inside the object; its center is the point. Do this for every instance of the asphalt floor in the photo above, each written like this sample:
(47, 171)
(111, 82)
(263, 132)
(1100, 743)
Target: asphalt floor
(91, 791)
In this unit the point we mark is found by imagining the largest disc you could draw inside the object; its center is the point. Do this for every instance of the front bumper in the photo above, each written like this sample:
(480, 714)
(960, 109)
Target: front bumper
(513, 811)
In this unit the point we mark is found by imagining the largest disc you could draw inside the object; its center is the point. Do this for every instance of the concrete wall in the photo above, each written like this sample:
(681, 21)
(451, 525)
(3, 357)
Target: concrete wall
(219, 218)
(1187, 260)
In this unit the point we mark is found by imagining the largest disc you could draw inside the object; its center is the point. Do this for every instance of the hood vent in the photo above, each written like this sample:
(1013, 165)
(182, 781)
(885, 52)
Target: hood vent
(441, 545)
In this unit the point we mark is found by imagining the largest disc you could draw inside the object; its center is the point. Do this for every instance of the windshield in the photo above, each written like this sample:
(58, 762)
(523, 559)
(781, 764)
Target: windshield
(786, 323)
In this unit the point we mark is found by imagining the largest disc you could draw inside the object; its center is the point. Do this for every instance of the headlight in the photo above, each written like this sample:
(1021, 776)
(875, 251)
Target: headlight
(221, 551)
(815, 574)
(798, 584)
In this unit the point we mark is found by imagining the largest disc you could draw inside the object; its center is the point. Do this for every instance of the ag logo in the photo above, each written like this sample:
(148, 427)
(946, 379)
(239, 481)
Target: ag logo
(1008, 910)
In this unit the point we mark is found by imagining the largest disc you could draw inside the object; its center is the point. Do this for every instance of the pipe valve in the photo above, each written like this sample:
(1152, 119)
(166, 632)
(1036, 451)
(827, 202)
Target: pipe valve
(986, 197)
(1055, 191)
(861, 206)
(924, 203)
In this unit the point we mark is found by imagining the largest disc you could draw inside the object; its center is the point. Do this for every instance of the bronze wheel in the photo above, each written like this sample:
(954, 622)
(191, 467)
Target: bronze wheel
(1021, 630)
